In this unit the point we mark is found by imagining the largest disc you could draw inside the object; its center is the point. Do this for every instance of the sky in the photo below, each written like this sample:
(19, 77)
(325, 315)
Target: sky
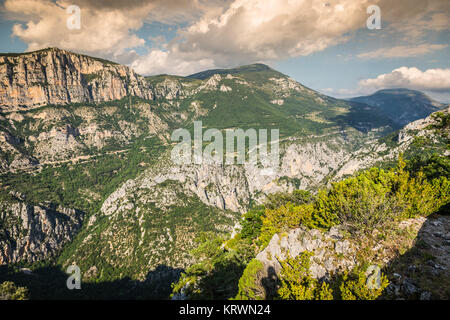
(324, 44)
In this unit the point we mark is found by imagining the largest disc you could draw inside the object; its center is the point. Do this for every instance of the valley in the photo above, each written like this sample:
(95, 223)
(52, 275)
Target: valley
(87, 177)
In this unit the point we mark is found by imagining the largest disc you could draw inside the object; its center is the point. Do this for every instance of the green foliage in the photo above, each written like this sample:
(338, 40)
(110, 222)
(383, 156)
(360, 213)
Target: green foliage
(376, 197)
(442, 119)
(285, 217)
(355, 287)
(9, 291)
(297, 282)
(249, 288)
(433, 166)
(252, 222)
(371, 199)
(218, 268)
(297, 197)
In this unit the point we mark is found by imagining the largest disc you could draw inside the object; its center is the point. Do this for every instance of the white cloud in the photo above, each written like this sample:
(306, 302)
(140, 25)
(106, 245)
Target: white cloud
(256, 30)
(402, 51)
(269, 30)
(106, 32)
(434, 82)
(411, 78)
(158, 62)
(108, 27)
(219, 33)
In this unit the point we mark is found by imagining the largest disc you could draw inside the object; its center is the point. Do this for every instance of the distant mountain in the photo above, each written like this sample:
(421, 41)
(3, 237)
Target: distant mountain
(257, 67)
(401, 105)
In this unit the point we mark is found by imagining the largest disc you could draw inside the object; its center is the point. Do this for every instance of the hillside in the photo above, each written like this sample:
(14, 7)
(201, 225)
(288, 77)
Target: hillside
(327, 245)
(80, 134)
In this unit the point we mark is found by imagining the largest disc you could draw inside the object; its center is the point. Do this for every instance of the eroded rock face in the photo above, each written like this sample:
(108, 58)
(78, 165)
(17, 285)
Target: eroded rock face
(55, 76)
(32, 233)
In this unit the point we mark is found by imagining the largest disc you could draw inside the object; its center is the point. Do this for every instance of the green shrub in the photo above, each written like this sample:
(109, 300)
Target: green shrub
(355, 287)
(298, 284)
(251, 225)
(283, 218)
(9, 291)
(377, 197)
(249, 288)
(297, 197)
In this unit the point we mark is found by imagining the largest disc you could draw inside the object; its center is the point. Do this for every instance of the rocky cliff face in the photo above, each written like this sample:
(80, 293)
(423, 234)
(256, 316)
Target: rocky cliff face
(55, 76)
(35, 232)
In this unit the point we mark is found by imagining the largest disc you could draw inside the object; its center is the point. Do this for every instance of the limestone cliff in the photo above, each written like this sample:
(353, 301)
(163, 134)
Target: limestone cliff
(54, 76)
(35, 232)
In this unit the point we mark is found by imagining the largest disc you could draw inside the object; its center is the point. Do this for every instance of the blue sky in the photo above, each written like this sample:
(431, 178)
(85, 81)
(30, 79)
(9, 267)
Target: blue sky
(324, 45)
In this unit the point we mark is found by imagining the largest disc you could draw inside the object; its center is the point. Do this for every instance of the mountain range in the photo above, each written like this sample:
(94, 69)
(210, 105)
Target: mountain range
(86, 173)
(401, 105)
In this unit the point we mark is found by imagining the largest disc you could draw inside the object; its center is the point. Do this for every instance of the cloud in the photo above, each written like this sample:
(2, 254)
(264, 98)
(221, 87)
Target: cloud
(271, 30)
(412, 78)
(255, 30)
(434, 82)
(402, 51)
(107, 31)
(158, 62)
(219, 33)
(108, 28)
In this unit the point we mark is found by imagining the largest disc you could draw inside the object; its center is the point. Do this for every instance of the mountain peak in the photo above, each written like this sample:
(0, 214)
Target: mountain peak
(255, 67)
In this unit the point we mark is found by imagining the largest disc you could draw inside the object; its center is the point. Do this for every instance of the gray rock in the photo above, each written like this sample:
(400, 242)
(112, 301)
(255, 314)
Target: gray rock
(41, 234)
(425, 295)
(409, 288)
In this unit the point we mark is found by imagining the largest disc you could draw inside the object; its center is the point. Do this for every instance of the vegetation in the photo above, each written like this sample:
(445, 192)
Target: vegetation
(223, 267)
(370, 200)
(354, 287)
(9, 291)
(248, 281)
(297, 283)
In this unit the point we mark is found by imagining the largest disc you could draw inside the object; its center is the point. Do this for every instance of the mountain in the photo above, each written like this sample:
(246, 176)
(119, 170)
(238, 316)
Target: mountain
(54, 76)
(86, 144)
(386, 224)
(257, 68)
(401, 105)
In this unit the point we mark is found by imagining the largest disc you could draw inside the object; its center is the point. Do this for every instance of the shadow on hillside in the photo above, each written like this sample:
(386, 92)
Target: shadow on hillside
(364, 118)
(49, 282)
(223, 281)
(270, 283)
(423, 271)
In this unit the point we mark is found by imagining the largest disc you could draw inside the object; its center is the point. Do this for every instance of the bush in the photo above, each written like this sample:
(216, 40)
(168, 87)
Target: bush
(251, 225)
(369, 200)
(297, 283)
(377, 197)
(285, 217)
(9, 291)
(354, 287)
(298, 197)
(249, 289)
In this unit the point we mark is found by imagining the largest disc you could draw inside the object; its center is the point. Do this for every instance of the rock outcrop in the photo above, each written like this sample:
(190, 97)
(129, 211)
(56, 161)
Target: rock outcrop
(35, 232)
(414, 255)
(55, 76)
